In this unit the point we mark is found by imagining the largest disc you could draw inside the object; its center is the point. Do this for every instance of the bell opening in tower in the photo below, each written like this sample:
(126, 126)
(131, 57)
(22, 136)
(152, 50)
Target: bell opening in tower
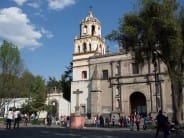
(93, 30)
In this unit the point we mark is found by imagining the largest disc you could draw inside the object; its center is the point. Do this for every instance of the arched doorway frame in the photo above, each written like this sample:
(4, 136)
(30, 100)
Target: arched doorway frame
(137, 102)
(55, 104)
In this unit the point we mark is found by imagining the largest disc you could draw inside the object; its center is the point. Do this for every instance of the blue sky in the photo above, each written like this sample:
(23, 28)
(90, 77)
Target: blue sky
(44, 30)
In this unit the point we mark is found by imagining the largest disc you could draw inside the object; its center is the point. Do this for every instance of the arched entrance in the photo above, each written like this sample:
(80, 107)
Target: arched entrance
(138, 103)
(55, 107)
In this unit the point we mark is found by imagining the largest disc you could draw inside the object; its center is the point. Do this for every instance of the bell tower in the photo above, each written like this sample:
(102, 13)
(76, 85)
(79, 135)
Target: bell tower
(88, 44)
(90, 26)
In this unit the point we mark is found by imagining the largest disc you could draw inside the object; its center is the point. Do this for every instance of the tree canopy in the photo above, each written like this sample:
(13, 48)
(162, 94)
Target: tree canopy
(64, 84)
(11, 67)
(16, 82)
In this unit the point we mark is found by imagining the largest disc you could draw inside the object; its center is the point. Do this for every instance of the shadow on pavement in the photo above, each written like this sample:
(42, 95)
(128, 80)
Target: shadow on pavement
(49, 132)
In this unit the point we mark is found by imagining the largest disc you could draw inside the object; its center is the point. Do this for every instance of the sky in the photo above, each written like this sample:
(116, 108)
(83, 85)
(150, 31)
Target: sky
(44, 30)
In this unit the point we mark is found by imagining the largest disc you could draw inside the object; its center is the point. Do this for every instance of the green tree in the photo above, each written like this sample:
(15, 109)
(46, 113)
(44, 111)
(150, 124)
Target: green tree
(26, 80)
(63, 85)
(66, 80)
(156, 31)
(52, 84)
(11, 67)
(36, 93)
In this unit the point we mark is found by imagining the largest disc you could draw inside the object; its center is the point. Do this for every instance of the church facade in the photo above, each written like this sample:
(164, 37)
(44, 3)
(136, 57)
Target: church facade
(113, 83)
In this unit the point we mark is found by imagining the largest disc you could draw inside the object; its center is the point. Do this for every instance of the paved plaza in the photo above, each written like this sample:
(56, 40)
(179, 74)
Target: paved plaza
(88, 132)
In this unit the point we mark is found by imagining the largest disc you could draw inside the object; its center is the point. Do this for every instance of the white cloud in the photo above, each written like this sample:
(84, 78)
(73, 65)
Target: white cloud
(47, 33)
(34, 5)
(16, 27)
(60, 4)
(20, 2)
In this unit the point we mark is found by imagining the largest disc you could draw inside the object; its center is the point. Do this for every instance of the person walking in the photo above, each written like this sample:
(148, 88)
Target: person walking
(113, 121)
(132, 122)
(145, 118)
(137, 121)
(49, 119)
(107, 120)
(162, 124)
(9, 119)
(17, 118)
(25, 119)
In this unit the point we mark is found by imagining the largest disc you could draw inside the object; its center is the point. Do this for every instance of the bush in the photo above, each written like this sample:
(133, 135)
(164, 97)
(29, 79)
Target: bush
(2, 120)
(35, 122)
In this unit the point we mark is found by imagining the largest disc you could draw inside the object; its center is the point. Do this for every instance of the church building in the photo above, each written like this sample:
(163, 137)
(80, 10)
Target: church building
(110, 84)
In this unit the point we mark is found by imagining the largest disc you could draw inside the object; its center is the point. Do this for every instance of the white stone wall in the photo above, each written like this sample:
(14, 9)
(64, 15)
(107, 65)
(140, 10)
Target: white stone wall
(95, 42)
(77, 73)
(63, 104)
(14, 102)
(83, 97)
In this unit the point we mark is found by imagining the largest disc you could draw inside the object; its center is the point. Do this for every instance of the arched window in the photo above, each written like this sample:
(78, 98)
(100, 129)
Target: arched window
(135, 68)
(102, 51)
(84, 74)
(100, 48)
(92, 30)
(84, 47)
(89, 47)
(85, 29)
(78, 49)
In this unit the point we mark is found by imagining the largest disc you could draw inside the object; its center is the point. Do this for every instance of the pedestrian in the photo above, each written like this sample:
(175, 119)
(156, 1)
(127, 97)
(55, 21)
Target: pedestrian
(107, 120)
(49, 119)
(121, 122)
(95, 121)
(25, 119)
(101, 121)
(132, 122)
(68, 121)
(137, 120)
(57, 121)
(33, 116)
(145, 124)
(166, 128)
(61, 120)
(125, 122)
(113, 120)
(9, 118)
(162, 124)
(17, 118)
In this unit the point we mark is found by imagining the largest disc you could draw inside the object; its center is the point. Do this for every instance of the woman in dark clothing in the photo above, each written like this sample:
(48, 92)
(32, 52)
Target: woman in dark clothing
(162, 124)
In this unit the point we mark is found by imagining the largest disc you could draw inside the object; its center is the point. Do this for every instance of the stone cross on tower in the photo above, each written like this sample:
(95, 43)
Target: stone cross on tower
(77, 107)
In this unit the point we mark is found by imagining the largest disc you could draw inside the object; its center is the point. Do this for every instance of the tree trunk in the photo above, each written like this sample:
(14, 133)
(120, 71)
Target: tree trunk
(177, 101)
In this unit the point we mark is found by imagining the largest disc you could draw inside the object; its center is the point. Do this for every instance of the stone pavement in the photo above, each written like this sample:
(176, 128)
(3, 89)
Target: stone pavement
(39, 131)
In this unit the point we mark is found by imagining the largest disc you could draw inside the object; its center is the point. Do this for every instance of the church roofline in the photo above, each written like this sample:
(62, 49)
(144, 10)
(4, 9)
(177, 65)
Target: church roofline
(107, 55)
(89, 37)
(90, 18)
